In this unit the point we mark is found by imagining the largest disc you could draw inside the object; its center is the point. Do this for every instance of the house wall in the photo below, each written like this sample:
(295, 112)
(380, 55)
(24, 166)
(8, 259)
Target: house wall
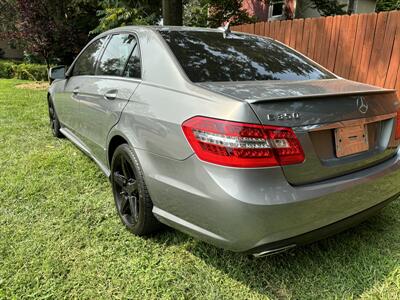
(361, 6)
(256, 8)
(365, 6)
(10, 52)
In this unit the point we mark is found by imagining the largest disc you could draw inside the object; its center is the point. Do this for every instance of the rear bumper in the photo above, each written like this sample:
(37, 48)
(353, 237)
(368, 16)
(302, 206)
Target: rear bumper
(320, 233)
(253, 209)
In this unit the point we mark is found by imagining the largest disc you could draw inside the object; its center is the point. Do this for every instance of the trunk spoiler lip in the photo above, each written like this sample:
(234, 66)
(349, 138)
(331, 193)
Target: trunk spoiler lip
(355, 88)
(355, 93)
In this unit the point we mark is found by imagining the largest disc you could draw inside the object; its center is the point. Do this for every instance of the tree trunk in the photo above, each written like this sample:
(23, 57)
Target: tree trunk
(172, 12)
(299, 9)
(350, 7)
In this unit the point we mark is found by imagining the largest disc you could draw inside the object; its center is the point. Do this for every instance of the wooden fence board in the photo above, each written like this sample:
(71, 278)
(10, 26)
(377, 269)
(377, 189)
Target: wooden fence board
(257, 28)
(358, 46)
(349, 45)
(288, 30)
(311, 41)
(387, 48)
(394, 64)
(341, 49)
(282, 30)
(266, 28)
(326, 41)
(303, 47)
(334, 43)
(377, 47)
(293, 34)
(367, 47)
(318, 39)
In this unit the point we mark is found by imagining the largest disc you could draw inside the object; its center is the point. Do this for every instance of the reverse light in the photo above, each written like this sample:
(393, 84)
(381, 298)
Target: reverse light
(241, 144)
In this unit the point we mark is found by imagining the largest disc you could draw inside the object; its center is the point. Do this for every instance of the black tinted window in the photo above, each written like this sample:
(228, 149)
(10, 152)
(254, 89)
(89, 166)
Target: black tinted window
(86, 63)
(116, 55)
(208, 56)
(133, 68)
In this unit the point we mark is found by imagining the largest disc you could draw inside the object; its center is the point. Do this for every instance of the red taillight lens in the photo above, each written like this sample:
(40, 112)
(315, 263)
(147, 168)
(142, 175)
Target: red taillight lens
(241, 144)
(398, 126)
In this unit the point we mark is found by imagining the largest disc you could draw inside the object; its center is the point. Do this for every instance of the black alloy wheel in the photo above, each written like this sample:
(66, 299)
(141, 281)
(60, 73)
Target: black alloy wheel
(54, 122)
(131, 197)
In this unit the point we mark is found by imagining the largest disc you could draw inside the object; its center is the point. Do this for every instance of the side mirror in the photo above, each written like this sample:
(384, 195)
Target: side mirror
(57, 72)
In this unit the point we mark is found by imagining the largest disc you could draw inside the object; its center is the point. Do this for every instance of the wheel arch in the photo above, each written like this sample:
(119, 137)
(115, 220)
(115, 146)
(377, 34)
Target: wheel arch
(116, 140)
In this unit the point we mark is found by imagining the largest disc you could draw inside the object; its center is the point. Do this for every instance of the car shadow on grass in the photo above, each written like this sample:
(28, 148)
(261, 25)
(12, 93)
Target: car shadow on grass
(348, 264)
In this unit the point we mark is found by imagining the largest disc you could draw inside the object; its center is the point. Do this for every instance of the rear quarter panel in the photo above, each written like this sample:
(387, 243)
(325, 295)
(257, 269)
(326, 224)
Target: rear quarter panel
(153, 117)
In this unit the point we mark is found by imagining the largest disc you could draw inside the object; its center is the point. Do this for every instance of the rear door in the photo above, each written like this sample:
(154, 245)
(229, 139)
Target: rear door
(104, 96)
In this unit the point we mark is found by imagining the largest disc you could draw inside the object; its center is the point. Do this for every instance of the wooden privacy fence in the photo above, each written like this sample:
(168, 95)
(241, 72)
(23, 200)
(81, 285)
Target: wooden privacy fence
(361, 47)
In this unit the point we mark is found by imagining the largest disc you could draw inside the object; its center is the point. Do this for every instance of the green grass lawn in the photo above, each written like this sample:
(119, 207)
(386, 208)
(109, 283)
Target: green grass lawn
(61, 238)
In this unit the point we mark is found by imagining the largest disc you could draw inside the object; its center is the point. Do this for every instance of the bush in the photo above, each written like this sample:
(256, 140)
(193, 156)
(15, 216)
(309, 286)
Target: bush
(31, 72)
(6, 69)
(10, 69)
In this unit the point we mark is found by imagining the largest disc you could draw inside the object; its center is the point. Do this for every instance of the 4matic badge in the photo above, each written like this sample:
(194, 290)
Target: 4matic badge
(283, 116)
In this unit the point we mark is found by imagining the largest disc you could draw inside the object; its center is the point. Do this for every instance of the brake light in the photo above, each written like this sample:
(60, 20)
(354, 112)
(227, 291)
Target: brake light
(241, 144)
(398, 126)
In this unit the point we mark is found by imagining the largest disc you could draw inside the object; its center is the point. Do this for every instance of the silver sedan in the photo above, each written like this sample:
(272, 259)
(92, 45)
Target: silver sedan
(235, 139)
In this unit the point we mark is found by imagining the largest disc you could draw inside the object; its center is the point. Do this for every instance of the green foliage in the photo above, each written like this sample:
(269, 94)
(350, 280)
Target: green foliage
(195, 13)
(54, 30)
(10, 69)
(213, 13)
(227, 10)
(121, 16)
(6, 69)
(328, 7)
(384, 5)
(122, 13)
(31, 72)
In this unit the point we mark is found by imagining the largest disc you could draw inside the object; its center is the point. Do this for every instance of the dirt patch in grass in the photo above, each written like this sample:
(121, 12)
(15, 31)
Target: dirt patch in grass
(37, 85)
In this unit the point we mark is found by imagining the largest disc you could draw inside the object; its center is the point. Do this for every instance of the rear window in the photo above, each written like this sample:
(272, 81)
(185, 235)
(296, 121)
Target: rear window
(209, 56)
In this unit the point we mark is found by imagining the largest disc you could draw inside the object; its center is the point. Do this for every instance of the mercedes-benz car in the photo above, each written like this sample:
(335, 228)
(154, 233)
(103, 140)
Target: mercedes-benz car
(233, 138)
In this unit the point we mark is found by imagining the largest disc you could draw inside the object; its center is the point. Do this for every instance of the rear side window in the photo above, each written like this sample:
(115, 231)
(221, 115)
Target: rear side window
(209, 56)
(86, 62)
(116, 55)
(133, 68)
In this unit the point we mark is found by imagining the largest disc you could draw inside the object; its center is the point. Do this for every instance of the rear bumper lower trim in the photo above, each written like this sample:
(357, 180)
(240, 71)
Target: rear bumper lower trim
(320, 233)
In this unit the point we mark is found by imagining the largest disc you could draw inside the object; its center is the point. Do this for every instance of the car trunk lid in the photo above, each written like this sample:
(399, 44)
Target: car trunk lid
(343, 126)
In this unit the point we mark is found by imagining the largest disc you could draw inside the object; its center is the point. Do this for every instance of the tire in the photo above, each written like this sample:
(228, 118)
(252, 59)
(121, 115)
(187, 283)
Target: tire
(132, 200)
(54, 122)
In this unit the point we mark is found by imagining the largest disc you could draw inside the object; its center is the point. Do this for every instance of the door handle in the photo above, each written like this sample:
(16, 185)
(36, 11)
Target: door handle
(111, 95)
(76, 91)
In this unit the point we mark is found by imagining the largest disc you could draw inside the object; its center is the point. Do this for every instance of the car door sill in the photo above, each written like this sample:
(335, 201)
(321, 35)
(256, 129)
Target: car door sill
(78, 143)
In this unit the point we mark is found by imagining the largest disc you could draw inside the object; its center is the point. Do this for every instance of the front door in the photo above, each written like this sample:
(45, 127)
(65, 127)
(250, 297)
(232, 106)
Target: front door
(68, 102)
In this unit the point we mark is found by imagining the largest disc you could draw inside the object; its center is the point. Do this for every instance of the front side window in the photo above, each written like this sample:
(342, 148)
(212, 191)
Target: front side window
(211, 56)
(86, 62)
(116, 55)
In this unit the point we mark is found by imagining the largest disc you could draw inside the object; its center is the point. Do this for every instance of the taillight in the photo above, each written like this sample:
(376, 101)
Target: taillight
(398, 126)
(241, 144)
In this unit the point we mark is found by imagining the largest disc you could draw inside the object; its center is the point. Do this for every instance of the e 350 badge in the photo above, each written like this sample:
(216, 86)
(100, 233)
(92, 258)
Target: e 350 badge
(283, 116)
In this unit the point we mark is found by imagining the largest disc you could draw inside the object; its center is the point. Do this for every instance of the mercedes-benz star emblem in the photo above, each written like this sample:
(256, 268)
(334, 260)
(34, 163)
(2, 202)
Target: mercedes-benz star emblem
(362, 104)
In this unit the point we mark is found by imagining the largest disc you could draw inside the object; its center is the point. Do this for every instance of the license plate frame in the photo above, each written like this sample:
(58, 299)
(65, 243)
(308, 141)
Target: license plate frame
(352, 139)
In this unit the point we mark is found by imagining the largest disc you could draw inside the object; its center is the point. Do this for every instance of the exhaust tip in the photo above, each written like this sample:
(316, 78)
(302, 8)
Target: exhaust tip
(273, 251)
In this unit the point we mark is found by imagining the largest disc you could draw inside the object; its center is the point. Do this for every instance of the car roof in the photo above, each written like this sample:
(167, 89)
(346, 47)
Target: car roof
(143, 28)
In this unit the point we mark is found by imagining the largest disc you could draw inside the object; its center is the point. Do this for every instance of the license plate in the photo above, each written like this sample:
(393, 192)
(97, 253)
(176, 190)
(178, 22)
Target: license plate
(351, 140)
